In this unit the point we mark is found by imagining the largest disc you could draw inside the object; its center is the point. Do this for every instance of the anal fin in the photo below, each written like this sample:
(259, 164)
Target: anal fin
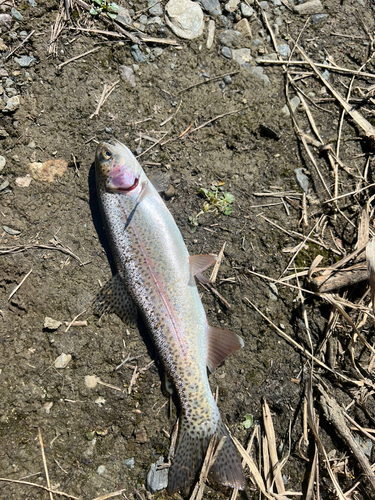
(114, 298)
(221, 343)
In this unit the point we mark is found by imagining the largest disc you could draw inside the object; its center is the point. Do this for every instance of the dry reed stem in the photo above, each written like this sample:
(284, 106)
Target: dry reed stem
(34, 485)
(19, 285)
(271, 439)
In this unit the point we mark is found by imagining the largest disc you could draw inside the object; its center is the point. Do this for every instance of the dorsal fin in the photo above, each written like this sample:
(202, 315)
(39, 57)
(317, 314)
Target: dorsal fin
(220, 344)
(159, 182)
(199, 263)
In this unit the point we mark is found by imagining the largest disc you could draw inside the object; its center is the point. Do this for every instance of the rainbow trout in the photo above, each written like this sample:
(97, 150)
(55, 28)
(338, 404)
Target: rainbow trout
(155, 277)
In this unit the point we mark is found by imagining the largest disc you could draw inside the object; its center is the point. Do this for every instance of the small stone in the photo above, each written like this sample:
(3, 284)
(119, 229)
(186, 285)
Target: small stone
(5, 21)
(227, 79)
(4, 185)
(2, 162)
(23, 34)
(3, 71)
(230, 38)
(258, 72)
(232, 5)
(127, 74)
(156, 10)
(100, 401)
(130, 463)
(51, 324)
(157, 51)
(12, 104)
(257, 42)
(31, 144)
(47, 407)
(302, 179)
(242, 56)
(243, 27)
(137, 54)
(3, 133)
(123, 16)
(226, 52)
(273, 292)
(185, 18)
(157, 480)
(246, 11)
(318, 18)
(32, 3)
(3, 46)
(143, 19)
(140, 435)
(170, 192)
(283, 49)
(265, 5)
(62, 361)
(309, 8)
(212, 7)
(108, 130)
(9, 230)
(155, 20)
(49, 170)
(24, 182)
(16, 15)
(210, 34)
(294, 103)
(91, 381)
(326, 74)
(100, 470)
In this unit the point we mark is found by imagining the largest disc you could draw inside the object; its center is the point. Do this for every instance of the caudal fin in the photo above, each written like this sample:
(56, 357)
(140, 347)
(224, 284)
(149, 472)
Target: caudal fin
(190, 453)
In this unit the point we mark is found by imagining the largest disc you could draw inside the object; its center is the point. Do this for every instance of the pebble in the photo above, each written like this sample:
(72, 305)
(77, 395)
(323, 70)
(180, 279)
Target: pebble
(157, 51)
(185, 18)
(212, 7)
(143, 19)
(50, 323)
(246, 11)
(2, 162)
(257, 42)
(294, 103)
(170, 192)
(258, 72)
(232, 5)
(100, 401)
(23, 34)
(243, 27)
(5, 21)
(62, 361)
(318, 18)
(3, 46)
(4, 185)
(3, 72)
(302, 179)
(227, 79)
(230, 38)
(156, 10)
(273, 292)
(140, 435)
(32, 3)
(157, 480)
(283, 49)
(91, 381)
(309, 8)
(49, 170)
(210, 33)
(326, 74)
(155, 20)
(100, 470)
(127, 74)
(12, 104)
(130, 463)
(47, 407)
(242, 56)
(16, 15)
(226, 52)
(123, 16)
(265, 5)
(23, 181)
(9, 230)
(137, 54)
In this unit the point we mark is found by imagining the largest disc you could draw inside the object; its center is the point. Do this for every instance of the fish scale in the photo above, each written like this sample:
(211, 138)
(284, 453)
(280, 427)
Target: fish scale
(156, 270)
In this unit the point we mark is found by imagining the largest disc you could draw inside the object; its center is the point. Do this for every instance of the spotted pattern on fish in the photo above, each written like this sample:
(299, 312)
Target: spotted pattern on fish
(153, 262)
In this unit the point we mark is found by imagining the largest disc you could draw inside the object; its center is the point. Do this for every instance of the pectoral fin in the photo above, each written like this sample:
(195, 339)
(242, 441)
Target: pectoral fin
(114, 298)
(198, 264)
(221, 343)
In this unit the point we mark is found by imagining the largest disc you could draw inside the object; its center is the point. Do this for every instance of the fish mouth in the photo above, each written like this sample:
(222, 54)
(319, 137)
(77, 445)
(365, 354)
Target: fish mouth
(128, 189)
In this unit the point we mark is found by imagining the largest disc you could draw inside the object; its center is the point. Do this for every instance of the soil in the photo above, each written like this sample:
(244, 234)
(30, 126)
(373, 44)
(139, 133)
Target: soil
(61, 241)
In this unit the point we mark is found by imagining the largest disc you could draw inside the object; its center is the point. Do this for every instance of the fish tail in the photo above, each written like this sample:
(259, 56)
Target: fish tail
(191, 451)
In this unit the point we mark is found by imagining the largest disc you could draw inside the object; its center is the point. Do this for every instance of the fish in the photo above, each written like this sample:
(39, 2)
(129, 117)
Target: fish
(155, 281)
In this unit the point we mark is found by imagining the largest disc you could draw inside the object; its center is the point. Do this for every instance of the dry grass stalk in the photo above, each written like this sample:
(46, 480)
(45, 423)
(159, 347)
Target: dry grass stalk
(370, 257)
(34, 485)
(217, 265)
(45, 463)
(19, 285)
(271, 439)
(107, 91)
(95, 49)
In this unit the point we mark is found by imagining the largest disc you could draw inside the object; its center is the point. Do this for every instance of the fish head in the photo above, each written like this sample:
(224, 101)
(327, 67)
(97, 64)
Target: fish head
(117, 169)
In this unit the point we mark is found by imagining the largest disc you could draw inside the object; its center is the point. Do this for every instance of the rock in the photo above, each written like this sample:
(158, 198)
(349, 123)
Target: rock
(47, 407)
(2, 162)
(294, 103)
(226, 52)
(3, 46)
(257, 42)
(212, 7)
(210, 34)
(227, 80)
(49, 323)
(242, 56)
(137, 54)
(23, 182)
(32, 3)
(157, 51)
(91, 381)
(265, 5)
(170, 192)
(127, 74)
(273, 292)
(100, 470)
(100, 401)
(140, 435)
(246, 11)
(185, 18)
(302, 179)
(258, 72)
(309, 8)
(230, 38)
(326, 74)
(283, 49)
(16, 15)
(156, 10)
(49, 170)
(3, 133)
(232, 5)
(62, 361)
(9, 230)
(157, 480)
(12, 104)
(143, 19)
(130, 463)
(123, 16)
(3, 72)
(318, 18)
(243, 27)
(5, 21)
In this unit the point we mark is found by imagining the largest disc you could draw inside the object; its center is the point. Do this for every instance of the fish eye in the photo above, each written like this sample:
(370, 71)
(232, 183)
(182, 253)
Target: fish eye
(106, 154)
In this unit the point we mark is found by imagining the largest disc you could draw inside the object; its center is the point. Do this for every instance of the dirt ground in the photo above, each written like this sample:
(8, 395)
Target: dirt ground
(60, 242)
